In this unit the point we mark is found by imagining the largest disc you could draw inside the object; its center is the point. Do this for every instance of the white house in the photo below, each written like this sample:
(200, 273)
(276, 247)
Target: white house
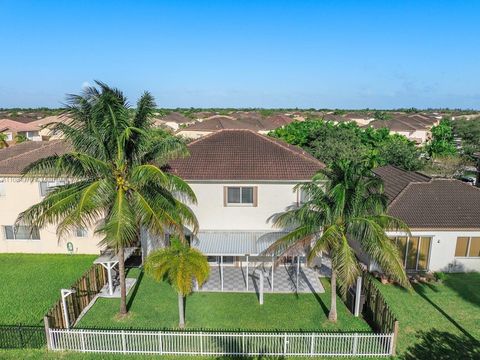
(241, 180)
(443, 216)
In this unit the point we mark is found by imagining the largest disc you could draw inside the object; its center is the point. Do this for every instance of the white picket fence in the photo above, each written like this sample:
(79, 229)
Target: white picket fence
(221, 343)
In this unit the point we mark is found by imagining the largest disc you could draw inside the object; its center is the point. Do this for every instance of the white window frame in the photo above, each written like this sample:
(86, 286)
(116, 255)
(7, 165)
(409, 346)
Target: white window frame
(468, 248)
(407, 245)
(9, 136)
(81, 232)
(50, 185)
(4, 228)
(3, 191)
(249, 204)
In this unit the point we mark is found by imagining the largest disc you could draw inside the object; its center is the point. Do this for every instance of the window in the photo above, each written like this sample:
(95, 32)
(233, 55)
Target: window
(302, 196)
(2, 188)
(467, 247)
(236, 195)
(47, 186)
(9, 136)
(414, 251)
(21, 232)
(81, 232)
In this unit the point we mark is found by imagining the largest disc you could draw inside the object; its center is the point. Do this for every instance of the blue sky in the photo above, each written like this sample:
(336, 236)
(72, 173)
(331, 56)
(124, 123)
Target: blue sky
(337, 54)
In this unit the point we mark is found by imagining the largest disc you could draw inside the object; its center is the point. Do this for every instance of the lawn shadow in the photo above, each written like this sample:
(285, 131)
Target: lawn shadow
(464, 285)
(319, 299)
(133, 294)
(440, 345)
(420, 290)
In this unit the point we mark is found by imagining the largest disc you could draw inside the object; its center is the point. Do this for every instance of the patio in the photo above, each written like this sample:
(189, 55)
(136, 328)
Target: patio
(284, 280)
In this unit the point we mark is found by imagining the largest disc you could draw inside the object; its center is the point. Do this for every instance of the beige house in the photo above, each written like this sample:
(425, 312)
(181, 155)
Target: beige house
(11, 129)
(17, 194)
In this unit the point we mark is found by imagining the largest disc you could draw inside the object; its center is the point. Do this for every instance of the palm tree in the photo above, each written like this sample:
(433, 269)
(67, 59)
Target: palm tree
(344, 210)
(115, 164)
(3, 141)
(180, 265)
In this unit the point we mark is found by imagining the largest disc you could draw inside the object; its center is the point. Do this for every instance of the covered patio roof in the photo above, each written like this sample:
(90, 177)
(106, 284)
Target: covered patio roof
(234, 242)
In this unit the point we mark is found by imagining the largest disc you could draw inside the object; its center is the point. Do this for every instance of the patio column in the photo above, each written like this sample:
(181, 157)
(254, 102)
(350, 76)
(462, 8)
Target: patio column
(109, 266)
(65, 293)
(358, 294)
(221, 270)
(247, 272)
(273, 262)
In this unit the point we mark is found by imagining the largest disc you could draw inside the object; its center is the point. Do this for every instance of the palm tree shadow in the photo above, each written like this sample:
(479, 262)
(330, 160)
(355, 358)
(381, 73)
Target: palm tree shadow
(135, 290)
(440, 345)
(420, 290)
(464, 285)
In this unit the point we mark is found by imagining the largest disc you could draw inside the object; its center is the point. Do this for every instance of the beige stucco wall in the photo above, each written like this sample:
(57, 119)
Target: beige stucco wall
(213, 215)
(21, 194)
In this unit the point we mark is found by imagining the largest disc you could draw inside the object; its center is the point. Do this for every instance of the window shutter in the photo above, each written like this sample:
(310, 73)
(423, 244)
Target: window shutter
(255, 196)
(225, 195)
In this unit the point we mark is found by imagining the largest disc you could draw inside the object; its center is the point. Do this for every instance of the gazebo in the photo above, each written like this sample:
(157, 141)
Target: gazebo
(109, 260)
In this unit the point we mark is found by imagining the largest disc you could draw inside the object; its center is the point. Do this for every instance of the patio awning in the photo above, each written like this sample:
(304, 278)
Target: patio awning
(234, 242)
(110, 256)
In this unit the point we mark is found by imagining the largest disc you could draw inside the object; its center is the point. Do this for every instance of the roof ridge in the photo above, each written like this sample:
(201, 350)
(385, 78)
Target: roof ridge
(277, 142)
(286, 145)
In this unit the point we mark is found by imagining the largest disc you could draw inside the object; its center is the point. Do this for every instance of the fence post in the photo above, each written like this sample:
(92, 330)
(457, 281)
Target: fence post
(355, 344)
(201, 343)
(82, 340)
(312, 344)
(393, 344)
(46, 322)
(124, 342)
(285, 345)
(160, 344)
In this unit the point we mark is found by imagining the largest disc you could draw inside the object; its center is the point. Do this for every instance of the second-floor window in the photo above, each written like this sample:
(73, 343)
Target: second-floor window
(240, 196)
(47, 186)
(81, 232)
(21, 232)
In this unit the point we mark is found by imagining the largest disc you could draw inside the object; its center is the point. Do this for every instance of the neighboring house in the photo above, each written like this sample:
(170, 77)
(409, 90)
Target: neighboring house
(174, 121)
(46, 127)
(238, 121)
(12, 129)
(443, 216)
(416, 127)
(17, 194)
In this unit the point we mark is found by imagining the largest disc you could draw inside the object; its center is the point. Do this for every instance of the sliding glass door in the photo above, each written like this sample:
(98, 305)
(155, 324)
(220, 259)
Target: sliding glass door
(414, 251)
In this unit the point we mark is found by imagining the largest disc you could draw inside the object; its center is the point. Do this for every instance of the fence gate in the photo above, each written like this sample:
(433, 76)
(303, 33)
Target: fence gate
(221, 343)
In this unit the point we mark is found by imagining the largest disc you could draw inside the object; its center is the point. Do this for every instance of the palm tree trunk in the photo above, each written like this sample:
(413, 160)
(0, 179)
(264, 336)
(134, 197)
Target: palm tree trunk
(181, 312)
(332, 315)
(123, 290)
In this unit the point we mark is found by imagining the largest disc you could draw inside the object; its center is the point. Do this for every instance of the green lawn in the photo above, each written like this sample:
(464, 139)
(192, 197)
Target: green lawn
(438, 321)
(31, 284)
(155, 306)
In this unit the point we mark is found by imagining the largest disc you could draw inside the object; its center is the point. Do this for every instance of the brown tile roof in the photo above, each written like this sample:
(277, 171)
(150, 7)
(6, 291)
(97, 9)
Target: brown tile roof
(438, 204)
(395, 179)
(225, 122)
(7, 124)
(244, 155)
(425, 203)
(15, 158)
(176, 118)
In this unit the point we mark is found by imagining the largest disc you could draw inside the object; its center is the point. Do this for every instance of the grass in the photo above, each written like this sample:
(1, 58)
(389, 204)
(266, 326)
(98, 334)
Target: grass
(154, 306)
(31, 284)
(438, 320)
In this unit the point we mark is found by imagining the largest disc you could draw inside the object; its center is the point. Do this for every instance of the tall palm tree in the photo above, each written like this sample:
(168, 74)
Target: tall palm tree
(115, 167)
(180, 265)
(344, 212)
